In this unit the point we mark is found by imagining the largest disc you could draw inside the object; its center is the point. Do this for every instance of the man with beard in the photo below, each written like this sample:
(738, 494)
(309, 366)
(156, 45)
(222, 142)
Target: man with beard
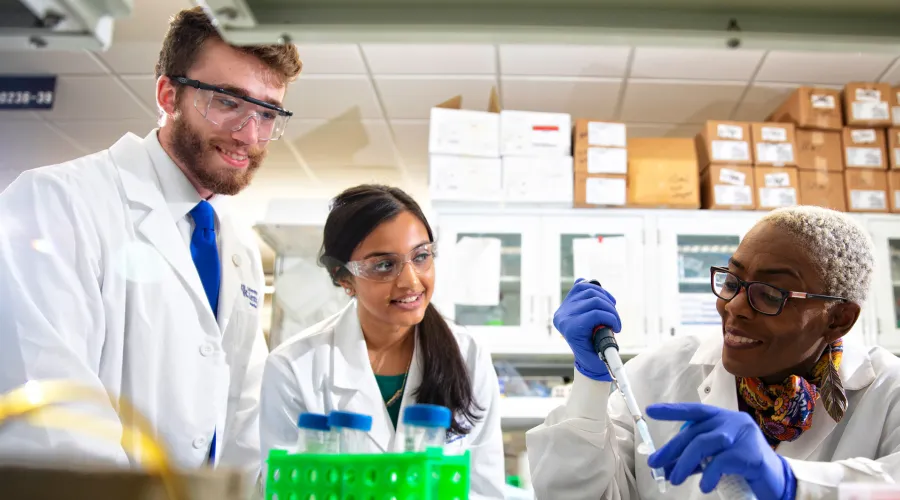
(123, 271)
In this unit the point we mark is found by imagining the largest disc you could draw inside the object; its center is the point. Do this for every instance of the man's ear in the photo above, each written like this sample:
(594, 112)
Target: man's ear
(165, 95)
(841, 319)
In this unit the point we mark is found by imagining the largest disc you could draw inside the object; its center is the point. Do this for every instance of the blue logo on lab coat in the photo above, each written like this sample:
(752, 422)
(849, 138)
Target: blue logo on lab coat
(251, 295)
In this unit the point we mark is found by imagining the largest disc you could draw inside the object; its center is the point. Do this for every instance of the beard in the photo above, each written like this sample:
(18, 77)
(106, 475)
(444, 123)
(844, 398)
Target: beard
(193, 151)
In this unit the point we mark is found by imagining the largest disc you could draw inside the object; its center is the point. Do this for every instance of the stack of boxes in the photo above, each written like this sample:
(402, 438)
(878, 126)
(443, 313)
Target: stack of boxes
(601, 164)
(725, 161)
(536, 157)
(867, 115)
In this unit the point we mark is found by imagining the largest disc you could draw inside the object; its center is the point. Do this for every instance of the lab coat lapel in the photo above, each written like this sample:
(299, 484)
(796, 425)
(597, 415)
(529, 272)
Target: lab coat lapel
(151, 216)
(718, 388)
(354, 381)
(235, 266)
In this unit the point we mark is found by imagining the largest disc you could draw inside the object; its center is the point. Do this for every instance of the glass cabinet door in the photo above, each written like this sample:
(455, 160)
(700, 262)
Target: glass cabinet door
(696, 254)
(885, 292)
(469, 291)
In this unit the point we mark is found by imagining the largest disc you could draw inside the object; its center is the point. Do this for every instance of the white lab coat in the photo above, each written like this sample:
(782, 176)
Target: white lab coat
(326, 367)
(585, 449)
(99, 287)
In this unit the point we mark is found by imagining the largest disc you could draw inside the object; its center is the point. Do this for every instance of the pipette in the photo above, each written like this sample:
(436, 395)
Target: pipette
(608, 349)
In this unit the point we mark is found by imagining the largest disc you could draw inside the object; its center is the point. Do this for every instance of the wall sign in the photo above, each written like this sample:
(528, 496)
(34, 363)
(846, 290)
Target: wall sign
(27, 92)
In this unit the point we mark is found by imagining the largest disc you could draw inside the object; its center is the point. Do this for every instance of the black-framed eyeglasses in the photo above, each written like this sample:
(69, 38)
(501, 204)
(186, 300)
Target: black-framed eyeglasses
(764, 298)
(232, 111)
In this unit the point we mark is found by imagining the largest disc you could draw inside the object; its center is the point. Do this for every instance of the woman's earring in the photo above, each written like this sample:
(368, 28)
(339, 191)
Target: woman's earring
(833, 396)
(349, 291)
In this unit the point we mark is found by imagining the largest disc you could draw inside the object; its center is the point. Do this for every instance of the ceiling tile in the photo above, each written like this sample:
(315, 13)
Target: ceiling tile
(9, 115)
(335, 97)
(436, 59)
(145, 88)
(331, 59)
(893, 75)
(699, 64)
(99, 135)
(761, 100)
(94, 98)
(342, 143)
(661, 130)
(661, 101)
(132, 58)
(413, 97)
(48, 63)
(822, 67)
(412, 141)
(30, 144)
(563, 60)
(279, 153)
(582, 98)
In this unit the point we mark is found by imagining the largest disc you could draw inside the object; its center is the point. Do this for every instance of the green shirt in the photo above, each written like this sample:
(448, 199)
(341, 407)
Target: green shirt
(389, 385)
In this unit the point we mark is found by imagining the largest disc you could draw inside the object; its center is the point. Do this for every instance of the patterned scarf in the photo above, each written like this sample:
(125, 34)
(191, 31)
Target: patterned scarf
(784, 411)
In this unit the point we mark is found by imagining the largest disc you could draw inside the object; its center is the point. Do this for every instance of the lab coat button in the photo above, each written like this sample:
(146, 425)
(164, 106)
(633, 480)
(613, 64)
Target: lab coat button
(706, 389)
(199, 443)
(206, 350)
(236, 259)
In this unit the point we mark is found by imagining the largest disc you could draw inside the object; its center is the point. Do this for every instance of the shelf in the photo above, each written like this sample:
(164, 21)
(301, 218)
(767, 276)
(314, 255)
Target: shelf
(526, 412)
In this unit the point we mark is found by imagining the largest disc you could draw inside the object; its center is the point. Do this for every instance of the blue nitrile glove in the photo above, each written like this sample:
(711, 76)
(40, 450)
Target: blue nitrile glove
(584, 308)
(733, 442)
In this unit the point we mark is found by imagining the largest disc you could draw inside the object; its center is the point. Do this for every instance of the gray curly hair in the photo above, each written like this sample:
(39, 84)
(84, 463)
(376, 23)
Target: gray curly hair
(839, 246)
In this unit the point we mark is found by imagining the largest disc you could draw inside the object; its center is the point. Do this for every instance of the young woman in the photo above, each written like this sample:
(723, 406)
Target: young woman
(389, 347)
(780, 398)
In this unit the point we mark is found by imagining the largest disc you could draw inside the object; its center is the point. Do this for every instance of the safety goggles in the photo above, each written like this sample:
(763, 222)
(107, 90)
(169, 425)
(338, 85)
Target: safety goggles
(764, 298)
(388, 267)
(232, 111)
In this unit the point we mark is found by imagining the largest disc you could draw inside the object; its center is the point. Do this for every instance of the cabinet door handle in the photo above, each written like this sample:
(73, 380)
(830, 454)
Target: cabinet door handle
(549, 316)
(531, 311)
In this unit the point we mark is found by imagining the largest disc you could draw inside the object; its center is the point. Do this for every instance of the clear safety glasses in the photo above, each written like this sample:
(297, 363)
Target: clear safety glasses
(233, 111)
(388, 267)
(764, 298)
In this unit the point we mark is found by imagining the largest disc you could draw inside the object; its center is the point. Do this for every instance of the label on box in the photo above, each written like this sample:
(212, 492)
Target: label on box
(868, 200)
(865, 136)
(818, 139)
(780, 179)
(733, 177)
(607, 161)
(774, 134)
(730, 151)
(821, 163)
(777, 196)
(897, 200)
(733, 195)
(775, 153)
(895, 111)
(864, 157)
(822, 101)
(730, 132)
(868, 95)
(606, 134)
(464, 132)
(867, 110)
(600, 191)
(544, 135)
(896, 157)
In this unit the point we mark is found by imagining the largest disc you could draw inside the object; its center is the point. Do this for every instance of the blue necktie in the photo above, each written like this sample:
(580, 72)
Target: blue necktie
(206, 259)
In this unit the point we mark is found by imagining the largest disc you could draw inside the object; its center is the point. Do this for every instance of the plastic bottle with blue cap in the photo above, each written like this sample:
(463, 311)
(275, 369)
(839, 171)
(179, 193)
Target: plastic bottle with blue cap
(315, 434)
(425, 426)
(350, 431)
(730, 487)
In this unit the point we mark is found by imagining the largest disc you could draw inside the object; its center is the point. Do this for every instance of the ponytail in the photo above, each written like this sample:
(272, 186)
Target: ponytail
(445, 379)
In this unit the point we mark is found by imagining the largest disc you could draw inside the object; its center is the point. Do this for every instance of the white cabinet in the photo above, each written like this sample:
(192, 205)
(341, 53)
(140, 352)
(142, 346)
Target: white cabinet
(885, 293)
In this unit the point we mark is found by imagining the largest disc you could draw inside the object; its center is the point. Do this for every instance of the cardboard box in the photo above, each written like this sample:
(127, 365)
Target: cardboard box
(462, 178)
(532, 133)
(728, 187)
(461, 132)
(895, 106)
(545, 179)
(894, 190)
(819, 150)
(893, 145)
(724, 143)
(864, 148)
(773, 144)
(776, 186)
(600, 190)
(866, 190)
(663, 173)
(600, 147)
(812, 108)
(823, 189)
(867, 104)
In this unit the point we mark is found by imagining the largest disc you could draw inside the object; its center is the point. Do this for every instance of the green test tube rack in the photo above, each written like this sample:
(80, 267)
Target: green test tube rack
(429, 475)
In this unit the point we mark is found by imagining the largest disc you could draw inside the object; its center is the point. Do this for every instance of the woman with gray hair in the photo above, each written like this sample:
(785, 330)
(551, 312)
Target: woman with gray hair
(780, 398)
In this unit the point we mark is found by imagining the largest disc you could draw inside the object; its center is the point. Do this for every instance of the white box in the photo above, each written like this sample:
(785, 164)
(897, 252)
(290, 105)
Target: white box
(464, 132)
(531, 133)
(546, 179)
(462, 178)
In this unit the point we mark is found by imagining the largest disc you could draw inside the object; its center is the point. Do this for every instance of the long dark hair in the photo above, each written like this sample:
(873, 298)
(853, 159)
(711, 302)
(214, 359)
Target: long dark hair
(354, 214)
